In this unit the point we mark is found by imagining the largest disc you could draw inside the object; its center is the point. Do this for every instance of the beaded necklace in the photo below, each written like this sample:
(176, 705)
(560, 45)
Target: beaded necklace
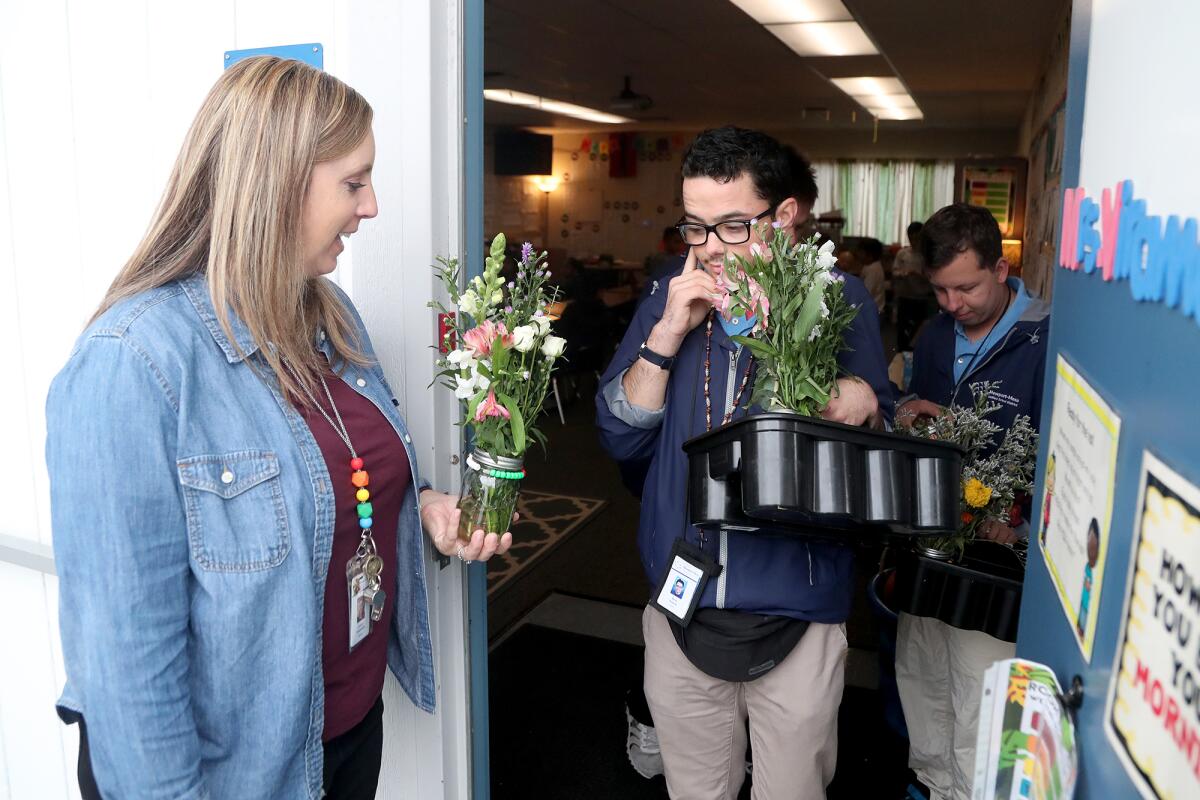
(367, 558)
(707, 367)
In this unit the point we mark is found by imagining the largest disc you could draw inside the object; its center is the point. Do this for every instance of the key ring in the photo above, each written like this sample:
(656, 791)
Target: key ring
(459, 553)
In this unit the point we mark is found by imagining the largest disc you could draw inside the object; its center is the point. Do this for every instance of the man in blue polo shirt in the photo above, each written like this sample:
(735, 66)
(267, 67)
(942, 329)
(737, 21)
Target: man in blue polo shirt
(767, 640)
(990, 329)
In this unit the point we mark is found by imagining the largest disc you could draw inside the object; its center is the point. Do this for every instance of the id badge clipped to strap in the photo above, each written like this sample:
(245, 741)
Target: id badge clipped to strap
(688, 573)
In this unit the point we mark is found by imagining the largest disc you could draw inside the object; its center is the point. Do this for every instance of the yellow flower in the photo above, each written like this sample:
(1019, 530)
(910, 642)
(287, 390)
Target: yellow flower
(976, 493)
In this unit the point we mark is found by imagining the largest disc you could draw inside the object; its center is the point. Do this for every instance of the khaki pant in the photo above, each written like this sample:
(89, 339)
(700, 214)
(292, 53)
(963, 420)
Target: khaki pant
(939, 671)
(701, 721)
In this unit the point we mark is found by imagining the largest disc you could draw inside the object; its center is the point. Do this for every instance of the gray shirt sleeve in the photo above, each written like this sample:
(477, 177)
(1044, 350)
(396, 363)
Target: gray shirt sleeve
(627, 412)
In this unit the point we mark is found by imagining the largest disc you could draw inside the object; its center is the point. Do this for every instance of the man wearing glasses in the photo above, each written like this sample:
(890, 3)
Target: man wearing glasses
(767, 639)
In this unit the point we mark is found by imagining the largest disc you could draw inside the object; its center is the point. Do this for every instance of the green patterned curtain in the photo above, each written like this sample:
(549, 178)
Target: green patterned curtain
(922, 202)
(845, 193)
(885, 202)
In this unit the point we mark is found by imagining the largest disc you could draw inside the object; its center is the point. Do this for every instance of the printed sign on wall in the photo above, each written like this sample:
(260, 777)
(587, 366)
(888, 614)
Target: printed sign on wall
(1153, 714)
(1077, 499)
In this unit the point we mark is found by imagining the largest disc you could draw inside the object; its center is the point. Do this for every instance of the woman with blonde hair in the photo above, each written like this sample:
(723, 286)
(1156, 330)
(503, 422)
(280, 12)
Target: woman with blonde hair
(236, 507)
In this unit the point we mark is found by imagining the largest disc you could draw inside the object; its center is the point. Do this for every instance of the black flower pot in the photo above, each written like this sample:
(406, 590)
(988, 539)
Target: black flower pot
(979, 591)
(788, 474)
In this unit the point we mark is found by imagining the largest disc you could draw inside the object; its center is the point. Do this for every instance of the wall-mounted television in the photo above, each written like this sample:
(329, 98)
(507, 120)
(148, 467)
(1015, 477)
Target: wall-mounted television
(522, 153)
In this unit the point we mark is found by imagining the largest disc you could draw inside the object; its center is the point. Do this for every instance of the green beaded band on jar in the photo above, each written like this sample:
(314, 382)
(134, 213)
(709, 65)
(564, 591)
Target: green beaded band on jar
(503, 473)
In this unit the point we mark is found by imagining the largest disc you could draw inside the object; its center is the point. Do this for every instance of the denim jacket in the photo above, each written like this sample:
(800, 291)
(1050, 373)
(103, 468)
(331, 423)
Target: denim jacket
(193, 521)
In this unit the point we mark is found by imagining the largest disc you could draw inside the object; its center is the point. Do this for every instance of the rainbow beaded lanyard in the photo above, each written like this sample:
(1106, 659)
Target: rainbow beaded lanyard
(366, 560)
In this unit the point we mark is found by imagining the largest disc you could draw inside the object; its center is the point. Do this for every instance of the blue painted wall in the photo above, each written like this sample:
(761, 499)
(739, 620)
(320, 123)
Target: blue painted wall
(1144, 360)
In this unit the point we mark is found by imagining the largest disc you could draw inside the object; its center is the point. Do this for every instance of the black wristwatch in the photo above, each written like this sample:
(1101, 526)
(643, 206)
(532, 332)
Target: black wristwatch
(660, 361)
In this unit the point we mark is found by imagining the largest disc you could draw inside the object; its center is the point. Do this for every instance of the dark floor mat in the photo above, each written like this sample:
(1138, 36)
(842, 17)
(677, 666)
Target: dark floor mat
(558, 725)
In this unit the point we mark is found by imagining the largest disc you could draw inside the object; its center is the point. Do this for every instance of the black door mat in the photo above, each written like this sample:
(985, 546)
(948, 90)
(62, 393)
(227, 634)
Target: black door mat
(557, 711)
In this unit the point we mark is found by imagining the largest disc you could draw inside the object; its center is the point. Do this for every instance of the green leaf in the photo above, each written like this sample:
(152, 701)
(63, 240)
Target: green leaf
(756, 346)
(518, 422)
(473, 404)
(499, 358)
(810, 310)
(792, 305)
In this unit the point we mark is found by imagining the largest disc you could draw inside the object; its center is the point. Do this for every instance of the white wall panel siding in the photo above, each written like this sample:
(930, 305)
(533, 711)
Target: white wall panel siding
(95, 99)
(44, 217)
(34, 749)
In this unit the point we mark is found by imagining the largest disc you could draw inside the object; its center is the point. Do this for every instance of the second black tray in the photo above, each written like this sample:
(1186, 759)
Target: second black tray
(981, 591)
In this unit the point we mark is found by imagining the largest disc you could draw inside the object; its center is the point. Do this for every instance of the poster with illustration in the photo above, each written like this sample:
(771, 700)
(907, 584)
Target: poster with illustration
(1153, 712)
(1025, 742)
(1077, 498)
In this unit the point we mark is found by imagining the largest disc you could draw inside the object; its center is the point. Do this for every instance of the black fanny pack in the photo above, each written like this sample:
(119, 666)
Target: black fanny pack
(736, 645)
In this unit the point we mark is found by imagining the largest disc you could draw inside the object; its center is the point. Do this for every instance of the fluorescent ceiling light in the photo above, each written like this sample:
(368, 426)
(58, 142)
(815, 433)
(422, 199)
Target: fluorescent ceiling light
(774, 12)
(896, 113)
(860, 86)
(883, 97)
(825, 38)
(893, 101)
(552, 106)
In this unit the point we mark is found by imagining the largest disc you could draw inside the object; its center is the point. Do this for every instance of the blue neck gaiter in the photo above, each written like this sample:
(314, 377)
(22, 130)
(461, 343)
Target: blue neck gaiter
(738, 326)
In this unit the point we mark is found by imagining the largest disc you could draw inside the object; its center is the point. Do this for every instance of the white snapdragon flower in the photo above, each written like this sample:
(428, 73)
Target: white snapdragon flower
(468, 303)
(825, 257)
(816, 332)
(461, 360)
(475, 382)
(464, 387)
(553, 346)
(524, 337)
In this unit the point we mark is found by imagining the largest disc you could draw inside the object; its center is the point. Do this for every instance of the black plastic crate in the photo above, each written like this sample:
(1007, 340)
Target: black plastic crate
(789, 474)
(979, 591)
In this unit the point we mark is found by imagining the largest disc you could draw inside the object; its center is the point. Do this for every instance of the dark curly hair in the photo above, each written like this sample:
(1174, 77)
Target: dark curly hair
(804, 177)
(725, 153)
(956, 229)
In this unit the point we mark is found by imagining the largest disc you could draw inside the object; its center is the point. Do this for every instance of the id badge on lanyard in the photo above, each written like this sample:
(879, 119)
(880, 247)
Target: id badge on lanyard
(687, 574)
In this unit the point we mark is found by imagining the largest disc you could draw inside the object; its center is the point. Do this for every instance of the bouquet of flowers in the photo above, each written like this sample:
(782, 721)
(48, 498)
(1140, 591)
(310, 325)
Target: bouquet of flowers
(500, 357)
(800, 316)
(991, 484)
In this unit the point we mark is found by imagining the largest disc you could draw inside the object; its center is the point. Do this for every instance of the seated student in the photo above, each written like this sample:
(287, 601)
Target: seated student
(990, 329)
(848, 263)
(871, 255)
(670, 249)
(911, 288)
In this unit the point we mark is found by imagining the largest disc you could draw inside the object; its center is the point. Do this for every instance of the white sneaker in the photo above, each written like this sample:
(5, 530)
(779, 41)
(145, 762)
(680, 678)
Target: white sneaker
(641, 745)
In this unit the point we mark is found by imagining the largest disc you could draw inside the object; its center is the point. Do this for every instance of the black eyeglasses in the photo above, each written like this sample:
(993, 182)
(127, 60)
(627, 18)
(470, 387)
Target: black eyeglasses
(733, 231)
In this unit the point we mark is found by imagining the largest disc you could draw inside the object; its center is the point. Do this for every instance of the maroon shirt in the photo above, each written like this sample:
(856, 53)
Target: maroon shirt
(354, 681)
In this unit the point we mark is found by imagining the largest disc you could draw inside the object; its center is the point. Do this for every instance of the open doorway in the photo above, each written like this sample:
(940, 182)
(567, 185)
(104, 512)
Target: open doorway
(956, 97)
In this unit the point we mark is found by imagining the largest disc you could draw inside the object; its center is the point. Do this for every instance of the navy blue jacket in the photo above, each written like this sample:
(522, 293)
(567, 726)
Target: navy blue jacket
(1017, 362)
(766, 575)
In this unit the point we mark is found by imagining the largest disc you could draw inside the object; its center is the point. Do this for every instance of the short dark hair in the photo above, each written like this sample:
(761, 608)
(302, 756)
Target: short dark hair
(871, 248)
(725, 153)
(804, 177)
(914, 228)
(956, 229)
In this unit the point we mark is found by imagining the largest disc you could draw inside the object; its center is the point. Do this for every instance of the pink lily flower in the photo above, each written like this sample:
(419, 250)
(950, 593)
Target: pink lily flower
(488, 407)
(480, 339)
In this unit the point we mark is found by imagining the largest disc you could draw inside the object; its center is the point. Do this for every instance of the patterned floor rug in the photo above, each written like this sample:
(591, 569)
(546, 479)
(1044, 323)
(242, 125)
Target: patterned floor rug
(546, 522)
